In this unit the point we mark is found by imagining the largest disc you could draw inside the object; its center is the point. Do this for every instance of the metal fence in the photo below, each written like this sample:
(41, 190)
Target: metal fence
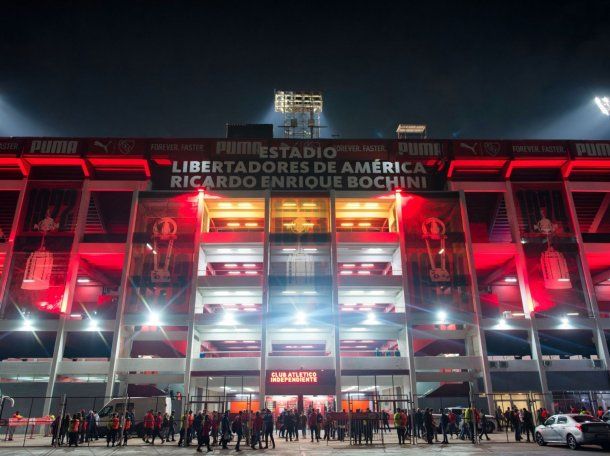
(22, 421)
(368, 417)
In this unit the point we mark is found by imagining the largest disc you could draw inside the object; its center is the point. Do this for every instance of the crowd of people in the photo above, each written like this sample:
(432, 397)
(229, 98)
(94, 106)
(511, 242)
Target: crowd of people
(255, 429)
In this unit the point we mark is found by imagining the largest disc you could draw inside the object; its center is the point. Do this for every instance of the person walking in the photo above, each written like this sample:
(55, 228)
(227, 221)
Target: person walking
(55, 426)
(400, 430)
(112, 430)
(126, 428)
(237, 428)
(197, 427)
(204, 436)
(469, 423)
(64, 429)
(289, 425)
(184, 423)
(483, 420)
(73, 430)
(225, 430)
(516, 424)
(528, 424)
(257, 429)
(149, 426)
(444, 425)
(215, 424)
(429, 425)
(313, 423)
(158, 423)
(303, 424)
(172, 427)
(268, 427)
(499, 418)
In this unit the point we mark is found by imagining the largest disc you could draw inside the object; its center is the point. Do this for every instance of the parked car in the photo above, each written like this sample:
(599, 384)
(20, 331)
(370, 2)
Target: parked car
(574, 430)
(138, 404)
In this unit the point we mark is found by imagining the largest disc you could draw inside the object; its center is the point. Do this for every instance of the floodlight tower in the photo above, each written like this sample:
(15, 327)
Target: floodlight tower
(301, 111)
(603, 103)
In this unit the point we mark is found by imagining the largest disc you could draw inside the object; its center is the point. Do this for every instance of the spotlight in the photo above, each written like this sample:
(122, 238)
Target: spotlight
(565, 321)
(301, 318)
(603, 104)
(154, 319)
(93, 324)
(27, 324)
(502, 324)
(371, 319)
(441, 315)
(228, 319)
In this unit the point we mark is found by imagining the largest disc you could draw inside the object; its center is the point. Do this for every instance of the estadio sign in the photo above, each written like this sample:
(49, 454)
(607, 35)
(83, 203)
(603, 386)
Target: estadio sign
(292, 165)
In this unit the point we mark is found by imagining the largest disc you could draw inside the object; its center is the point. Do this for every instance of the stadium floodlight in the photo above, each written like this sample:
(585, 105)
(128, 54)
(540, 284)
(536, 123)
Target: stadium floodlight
(288, 101)
(603, 103)
(301, 111)
(412, 131)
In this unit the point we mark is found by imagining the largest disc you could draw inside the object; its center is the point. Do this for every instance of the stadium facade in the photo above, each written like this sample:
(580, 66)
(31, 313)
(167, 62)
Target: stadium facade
(297, 273)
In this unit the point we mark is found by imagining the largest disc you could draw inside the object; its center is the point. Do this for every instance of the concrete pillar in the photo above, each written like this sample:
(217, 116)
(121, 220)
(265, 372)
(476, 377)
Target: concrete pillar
(66, 303)
(478, 333)
(190, 341)
(598, 331)
(526, 297)
(408, 341)
(334, 272)
(265, 301)
(115, 351)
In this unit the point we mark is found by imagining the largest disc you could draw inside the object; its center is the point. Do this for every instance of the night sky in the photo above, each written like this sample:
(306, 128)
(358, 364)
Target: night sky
(184, 68)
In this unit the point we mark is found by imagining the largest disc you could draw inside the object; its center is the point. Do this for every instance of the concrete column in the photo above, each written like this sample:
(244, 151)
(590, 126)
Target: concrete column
(334, 272)
(409, 353)
(193, 292)
(66, 302)
(598, 330)
(526, 297)
(115, 352)
(265, 311)
(479, 334)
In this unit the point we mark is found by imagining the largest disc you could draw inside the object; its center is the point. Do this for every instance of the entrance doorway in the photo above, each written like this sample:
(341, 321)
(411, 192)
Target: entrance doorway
(277, 403)
(322, 403)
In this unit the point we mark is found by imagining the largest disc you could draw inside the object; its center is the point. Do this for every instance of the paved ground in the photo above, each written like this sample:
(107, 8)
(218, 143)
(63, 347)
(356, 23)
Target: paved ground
(497, 446)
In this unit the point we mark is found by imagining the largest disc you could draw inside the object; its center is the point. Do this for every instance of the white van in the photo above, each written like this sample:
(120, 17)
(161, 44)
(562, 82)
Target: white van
(139, 406)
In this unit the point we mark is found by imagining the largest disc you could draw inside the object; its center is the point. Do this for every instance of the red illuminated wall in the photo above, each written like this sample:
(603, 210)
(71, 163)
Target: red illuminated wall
(445, 252)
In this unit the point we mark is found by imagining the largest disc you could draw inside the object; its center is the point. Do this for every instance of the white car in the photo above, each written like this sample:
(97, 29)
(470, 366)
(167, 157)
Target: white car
(574, 430)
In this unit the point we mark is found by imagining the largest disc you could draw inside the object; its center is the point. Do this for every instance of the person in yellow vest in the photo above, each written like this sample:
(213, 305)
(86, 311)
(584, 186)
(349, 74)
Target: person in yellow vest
(398, 425)
(469, 422)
